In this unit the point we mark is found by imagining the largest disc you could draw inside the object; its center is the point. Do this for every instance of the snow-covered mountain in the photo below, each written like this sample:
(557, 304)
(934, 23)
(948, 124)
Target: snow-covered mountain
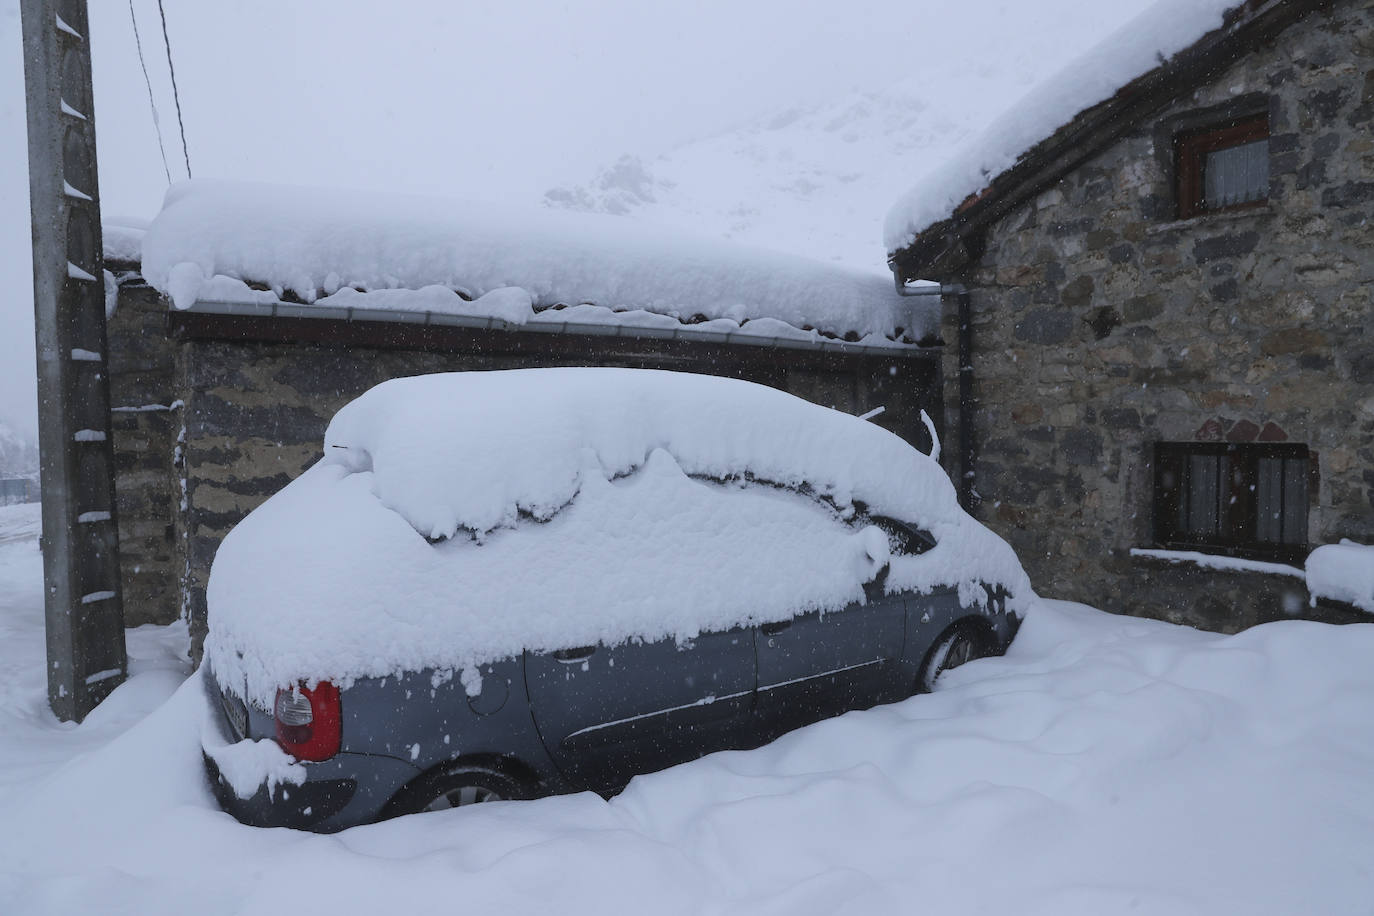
(813, 181)
(817, 179)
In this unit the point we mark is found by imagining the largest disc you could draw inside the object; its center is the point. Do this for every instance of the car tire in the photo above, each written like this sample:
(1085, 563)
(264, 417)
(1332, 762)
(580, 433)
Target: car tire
(961, 643)
(456, 786)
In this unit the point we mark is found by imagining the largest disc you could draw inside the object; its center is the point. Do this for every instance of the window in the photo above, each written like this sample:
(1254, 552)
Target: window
(1244, 500)
(1223, 168)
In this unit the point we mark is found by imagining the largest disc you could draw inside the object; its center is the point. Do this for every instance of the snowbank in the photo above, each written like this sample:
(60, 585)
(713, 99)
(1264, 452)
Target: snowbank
(23, 521)
(573, 510)
(1155, 35)
(1342, 572)
(314, 244)
(1106, 765)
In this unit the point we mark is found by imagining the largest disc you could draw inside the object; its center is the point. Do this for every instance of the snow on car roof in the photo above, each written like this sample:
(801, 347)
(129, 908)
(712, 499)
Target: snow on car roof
(461, 518)
(1137, 47)
(322, 246)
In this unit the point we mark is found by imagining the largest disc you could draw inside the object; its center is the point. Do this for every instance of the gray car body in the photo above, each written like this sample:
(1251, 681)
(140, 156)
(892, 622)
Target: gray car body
(590, 718)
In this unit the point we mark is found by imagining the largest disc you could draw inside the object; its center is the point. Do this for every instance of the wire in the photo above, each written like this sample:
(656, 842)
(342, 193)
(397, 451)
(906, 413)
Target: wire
(167, 43)
(149, 83)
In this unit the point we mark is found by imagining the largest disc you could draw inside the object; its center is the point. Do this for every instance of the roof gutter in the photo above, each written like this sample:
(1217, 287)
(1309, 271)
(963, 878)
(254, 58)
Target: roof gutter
(686, 332)
(967, 455)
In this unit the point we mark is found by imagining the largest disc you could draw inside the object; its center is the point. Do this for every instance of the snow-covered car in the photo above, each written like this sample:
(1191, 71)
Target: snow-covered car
(499, 585)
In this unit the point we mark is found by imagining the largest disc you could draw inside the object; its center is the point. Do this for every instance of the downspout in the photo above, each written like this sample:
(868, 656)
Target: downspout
(966, 455)
(966, 402)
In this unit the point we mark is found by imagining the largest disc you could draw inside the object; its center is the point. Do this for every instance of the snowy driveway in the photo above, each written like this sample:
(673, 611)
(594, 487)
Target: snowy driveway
(1105, 765)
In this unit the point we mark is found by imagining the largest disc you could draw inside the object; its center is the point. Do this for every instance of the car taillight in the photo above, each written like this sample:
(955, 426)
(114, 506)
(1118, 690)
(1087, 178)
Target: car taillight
(308, 721)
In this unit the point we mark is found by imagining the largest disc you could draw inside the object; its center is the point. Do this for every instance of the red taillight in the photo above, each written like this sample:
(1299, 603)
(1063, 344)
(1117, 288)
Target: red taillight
(308, 721)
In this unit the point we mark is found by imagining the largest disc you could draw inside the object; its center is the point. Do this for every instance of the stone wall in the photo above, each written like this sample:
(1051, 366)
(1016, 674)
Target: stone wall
(145, 420)
(1104, 324)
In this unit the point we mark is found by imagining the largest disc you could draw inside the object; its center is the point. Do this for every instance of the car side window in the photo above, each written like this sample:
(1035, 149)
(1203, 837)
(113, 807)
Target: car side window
(904, 540)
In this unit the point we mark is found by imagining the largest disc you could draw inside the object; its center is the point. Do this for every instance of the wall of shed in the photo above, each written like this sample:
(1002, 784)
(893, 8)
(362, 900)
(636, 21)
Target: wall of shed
(145, 420)
(1103, 325)
(247, 416)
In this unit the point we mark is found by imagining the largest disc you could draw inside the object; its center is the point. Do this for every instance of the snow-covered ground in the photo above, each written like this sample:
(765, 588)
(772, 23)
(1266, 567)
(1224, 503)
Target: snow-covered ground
(1105, 765)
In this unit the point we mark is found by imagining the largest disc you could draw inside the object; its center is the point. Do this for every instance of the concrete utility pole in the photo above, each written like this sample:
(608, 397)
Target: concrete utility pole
(85, 613)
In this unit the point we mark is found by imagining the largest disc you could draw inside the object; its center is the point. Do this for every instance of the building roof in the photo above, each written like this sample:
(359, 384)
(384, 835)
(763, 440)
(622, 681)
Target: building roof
(262, 249)
(122, 241)
(936, 228)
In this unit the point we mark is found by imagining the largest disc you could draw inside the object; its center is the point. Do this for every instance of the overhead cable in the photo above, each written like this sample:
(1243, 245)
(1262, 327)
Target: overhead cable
(167, 43)
(151, 103)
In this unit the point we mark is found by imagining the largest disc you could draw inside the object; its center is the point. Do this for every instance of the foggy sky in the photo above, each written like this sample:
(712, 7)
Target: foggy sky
(498, 100)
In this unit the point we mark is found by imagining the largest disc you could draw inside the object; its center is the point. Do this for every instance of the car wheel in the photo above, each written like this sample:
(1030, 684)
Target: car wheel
(456, 786)
(957, 645)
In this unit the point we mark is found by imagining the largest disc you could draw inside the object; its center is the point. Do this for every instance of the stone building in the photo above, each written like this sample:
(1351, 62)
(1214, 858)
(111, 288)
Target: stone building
(223, 401)
(1169, 295)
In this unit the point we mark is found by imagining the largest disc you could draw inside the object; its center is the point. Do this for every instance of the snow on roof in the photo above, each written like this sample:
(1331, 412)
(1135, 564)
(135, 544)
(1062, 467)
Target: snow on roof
(461, 518)
(1138, 47)
(322, 246)
(122, 238)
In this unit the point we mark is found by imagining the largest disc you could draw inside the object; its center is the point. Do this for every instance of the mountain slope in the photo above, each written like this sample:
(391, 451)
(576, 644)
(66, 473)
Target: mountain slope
(817, 179)
(814, 181)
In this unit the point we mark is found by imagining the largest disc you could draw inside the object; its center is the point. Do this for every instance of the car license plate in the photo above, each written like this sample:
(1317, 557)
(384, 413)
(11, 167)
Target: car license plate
(237, 713)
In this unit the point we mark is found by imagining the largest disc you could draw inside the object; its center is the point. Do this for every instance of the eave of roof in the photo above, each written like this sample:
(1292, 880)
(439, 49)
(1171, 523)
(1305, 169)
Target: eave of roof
(943, 250)
(287, 321)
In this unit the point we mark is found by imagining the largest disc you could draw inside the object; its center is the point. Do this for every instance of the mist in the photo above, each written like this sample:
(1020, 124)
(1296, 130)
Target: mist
(491, 101)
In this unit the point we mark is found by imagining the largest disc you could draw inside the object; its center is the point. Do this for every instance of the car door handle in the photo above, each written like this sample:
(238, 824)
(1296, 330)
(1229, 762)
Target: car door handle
(774, 628)
(573, 656)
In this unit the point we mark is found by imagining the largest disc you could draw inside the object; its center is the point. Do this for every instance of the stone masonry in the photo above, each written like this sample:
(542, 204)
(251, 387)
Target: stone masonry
(146, 421)
(1103, 324)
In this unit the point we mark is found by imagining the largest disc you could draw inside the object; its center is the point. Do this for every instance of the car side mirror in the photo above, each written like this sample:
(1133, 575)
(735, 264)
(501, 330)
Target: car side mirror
(875, 554)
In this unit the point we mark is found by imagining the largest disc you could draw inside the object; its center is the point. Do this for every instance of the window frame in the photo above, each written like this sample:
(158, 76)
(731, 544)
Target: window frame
(1190, 156)
(1238, 526)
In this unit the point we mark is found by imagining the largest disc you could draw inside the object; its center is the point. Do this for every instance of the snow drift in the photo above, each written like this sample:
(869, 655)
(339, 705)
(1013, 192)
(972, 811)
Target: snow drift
(1106, 765)
(1342, 572)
